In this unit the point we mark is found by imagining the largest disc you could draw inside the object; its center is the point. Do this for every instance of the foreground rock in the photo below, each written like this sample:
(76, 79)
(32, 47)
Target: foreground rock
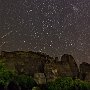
(36, 88)
(25, 62)
(43, 67)
(69, 61)
(66, 67)
(85, 71)
(40, 78)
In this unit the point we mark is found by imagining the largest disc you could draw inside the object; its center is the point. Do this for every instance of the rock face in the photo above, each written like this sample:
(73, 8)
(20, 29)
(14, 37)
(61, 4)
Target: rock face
(52, 71)
(87, 78)
(66, 67)
(69, 60)
(36, 88)
(85, 71)
(41, 66)
(25, 62)
(55, 70)
(40, 78)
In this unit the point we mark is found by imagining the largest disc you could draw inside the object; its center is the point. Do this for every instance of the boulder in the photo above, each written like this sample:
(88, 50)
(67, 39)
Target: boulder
(25, 62)
(35, 88)
(87, 78)
(40, 78)
(85, 71)
(51, 71)
(55, 70)
(69, 60)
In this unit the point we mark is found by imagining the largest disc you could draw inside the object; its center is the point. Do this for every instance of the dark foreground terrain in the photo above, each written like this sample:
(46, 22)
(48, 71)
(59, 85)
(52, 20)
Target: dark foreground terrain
(20, 70)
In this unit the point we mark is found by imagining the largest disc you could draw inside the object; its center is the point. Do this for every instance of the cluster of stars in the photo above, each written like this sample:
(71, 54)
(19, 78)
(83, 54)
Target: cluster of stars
(54, 27)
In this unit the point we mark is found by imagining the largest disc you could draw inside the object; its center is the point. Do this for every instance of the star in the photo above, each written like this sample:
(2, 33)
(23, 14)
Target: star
(55, 27)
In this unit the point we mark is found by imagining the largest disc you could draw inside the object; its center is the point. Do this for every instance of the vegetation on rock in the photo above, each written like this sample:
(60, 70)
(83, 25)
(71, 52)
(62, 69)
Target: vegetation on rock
(22, 70)
(67, 83)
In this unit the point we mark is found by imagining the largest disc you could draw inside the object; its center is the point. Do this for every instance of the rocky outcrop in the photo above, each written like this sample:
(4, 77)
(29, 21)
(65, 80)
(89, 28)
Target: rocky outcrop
(69, 60)
(55, 70)
(36, 88)
(87, 78)
(39, 64)
(85, 71)
(40, 78)
(25, 62)
(51, 71)
(66, 67)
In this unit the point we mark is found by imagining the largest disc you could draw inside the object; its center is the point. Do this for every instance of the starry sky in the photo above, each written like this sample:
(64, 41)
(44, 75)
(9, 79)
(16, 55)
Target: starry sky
(54, 27)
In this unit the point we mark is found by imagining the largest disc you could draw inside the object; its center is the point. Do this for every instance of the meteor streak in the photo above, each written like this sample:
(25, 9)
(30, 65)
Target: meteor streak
(2, 44)
(6, 34)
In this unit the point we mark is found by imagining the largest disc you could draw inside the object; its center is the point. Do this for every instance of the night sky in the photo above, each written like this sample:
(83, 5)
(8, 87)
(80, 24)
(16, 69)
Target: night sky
(54, 27)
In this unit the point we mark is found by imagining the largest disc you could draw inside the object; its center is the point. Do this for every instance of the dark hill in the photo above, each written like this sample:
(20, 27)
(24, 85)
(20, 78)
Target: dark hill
(41, 66)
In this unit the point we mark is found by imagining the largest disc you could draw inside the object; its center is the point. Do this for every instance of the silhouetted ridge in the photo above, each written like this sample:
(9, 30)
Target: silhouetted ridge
(43, 67)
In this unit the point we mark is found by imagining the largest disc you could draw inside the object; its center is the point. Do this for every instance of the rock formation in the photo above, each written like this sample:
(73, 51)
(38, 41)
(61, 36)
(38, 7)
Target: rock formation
(85, 71)
(66, 67)
(69, 60)
(40, 78)
(25, 62)
(43, 67)
(36, 88)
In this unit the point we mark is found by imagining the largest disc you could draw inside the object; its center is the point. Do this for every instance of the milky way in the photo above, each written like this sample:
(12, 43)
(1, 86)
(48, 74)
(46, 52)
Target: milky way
(55, 27)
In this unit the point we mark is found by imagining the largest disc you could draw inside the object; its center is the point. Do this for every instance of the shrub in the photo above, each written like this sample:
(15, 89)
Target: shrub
(5, 75)
(25, 81)
(81, 85)
(68, 83)
(61, 84)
